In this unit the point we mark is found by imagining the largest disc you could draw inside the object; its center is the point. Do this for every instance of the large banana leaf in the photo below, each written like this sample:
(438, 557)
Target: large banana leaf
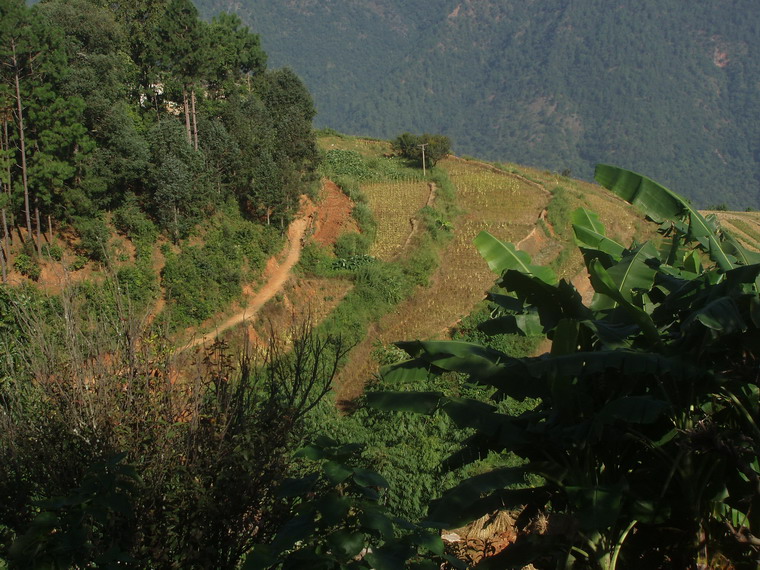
(604, 284)
(635, 272)
(552, 302)
(661, 204)
(590, 232)
(502, 256)
(456, 356)
(527, 324)
(732, 246)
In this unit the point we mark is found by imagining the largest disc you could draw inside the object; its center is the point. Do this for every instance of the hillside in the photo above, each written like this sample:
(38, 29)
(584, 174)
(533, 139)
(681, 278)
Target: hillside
(382, 255)
(527, 206)
(660, 87)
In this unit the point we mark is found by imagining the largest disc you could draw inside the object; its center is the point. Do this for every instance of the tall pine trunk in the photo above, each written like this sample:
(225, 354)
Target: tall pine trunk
(7, 187)
(187, 117)
(39, 230)
(195, 122)
(4, 269)
(22, 143)
(6, 235)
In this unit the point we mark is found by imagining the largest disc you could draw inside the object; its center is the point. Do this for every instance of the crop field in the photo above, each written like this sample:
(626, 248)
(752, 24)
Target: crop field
(500, 203)
(505, 205)
(394, 204)
(745, 226)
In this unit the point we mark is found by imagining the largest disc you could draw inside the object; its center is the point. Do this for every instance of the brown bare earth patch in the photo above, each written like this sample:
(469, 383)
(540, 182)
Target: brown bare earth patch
(333, 215)
(55, 276)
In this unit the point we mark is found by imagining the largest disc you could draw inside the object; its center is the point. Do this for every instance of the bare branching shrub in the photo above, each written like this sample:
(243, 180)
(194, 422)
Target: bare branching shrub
(89, 393)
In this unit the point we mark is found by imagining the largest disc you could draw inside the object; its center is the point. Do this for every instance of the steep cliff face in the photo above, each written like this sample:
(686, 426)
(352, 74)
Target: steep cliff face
(668, 88)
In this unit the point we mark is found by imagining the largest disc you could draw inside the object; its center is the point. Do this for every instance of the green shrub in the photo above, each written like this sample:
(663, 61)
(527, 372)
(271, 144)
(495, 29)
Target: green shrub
(350, 187)
(315, 260)
(78, 263)
(558, 211)
(381, 283)
(365, 219)
(138, 283)
(27, 266)
(132, 221)
(53, 251)
(94, 237)
(351, 244)
(419, 265)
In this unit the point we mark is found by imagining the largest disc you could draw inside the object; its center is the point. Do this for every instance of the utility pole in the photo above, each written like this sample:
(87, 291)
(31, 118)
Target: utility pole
(422, 146)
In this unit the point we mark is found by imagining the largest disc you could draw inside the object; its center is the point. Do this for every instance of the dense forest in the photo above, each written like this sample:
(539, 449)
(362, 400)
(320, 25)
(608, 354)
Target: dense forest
(662, 87)
(144, 110)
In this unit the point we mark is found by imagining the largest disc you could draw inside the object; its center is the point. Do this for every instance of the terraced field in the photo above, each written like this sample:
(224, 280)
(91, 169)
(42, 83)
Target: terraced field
(529, 207)
(394, 204)
(745, 226)
(504, 204)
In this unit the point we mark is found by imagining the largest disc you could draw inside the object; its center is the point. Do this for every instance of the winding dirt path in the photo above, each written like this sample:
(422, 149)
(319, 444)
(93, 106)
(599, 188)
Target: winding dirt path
(278, 276)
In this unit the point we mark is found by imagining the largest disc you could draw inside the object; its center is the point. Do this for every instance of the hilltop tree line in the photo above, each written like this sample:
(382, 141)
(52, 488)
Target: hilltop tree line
(142, 103)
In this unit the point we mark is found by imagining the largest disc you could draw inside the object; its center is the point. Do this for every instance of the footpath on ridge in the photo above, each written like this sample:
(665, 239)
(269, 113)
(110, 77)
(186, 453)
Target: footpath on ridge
(277, 276)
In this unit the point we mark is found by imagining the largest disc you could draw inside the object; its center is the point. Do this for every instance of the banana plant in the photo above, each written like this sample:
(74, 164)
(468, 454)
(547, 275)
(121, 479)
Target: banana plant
(646, 434)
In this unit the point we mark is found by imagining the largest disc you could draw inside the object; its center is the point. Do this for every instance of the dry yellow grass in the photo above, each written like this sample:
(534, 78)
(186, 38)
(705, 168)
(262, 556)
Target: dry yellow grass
(394, 205)
(498, 202)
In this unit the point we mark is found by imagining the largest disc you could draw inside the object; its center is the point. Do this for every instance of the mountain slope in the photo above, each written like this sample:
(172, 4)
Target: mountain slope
(662, 87)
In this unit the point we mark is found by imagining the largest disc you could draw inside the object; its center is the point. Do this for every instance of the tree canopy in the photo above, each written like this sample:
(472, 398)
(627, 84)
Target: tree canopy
(95, 96)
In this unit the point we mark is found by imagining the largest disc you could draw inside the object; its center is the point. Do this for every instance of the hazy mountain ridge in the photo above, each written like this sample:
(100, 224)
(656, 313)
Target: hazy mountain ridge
(661, 87)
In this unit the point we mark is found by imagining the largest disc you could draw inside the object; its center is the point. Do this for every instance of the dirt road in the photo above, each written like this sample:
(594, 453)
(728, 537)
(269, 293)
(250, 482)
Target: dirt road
(275, 282)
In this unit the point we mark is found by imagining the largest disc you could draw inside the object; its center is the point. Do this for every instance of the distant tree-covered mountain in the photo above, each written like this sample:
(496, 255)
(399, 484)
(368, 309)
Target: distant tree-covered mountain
(668, 88)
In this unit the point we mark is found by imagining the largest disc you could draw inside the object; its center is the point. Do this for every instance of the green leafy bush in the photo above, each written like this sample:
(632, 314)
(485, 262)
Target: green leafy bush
(138, 282)
(78, 263)
(94, 238)
(364, 217)
(351, 244)
(132, 221)
(28, 266)
(351, 188)
(53, 251)
(315, 260)
(381, 283)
